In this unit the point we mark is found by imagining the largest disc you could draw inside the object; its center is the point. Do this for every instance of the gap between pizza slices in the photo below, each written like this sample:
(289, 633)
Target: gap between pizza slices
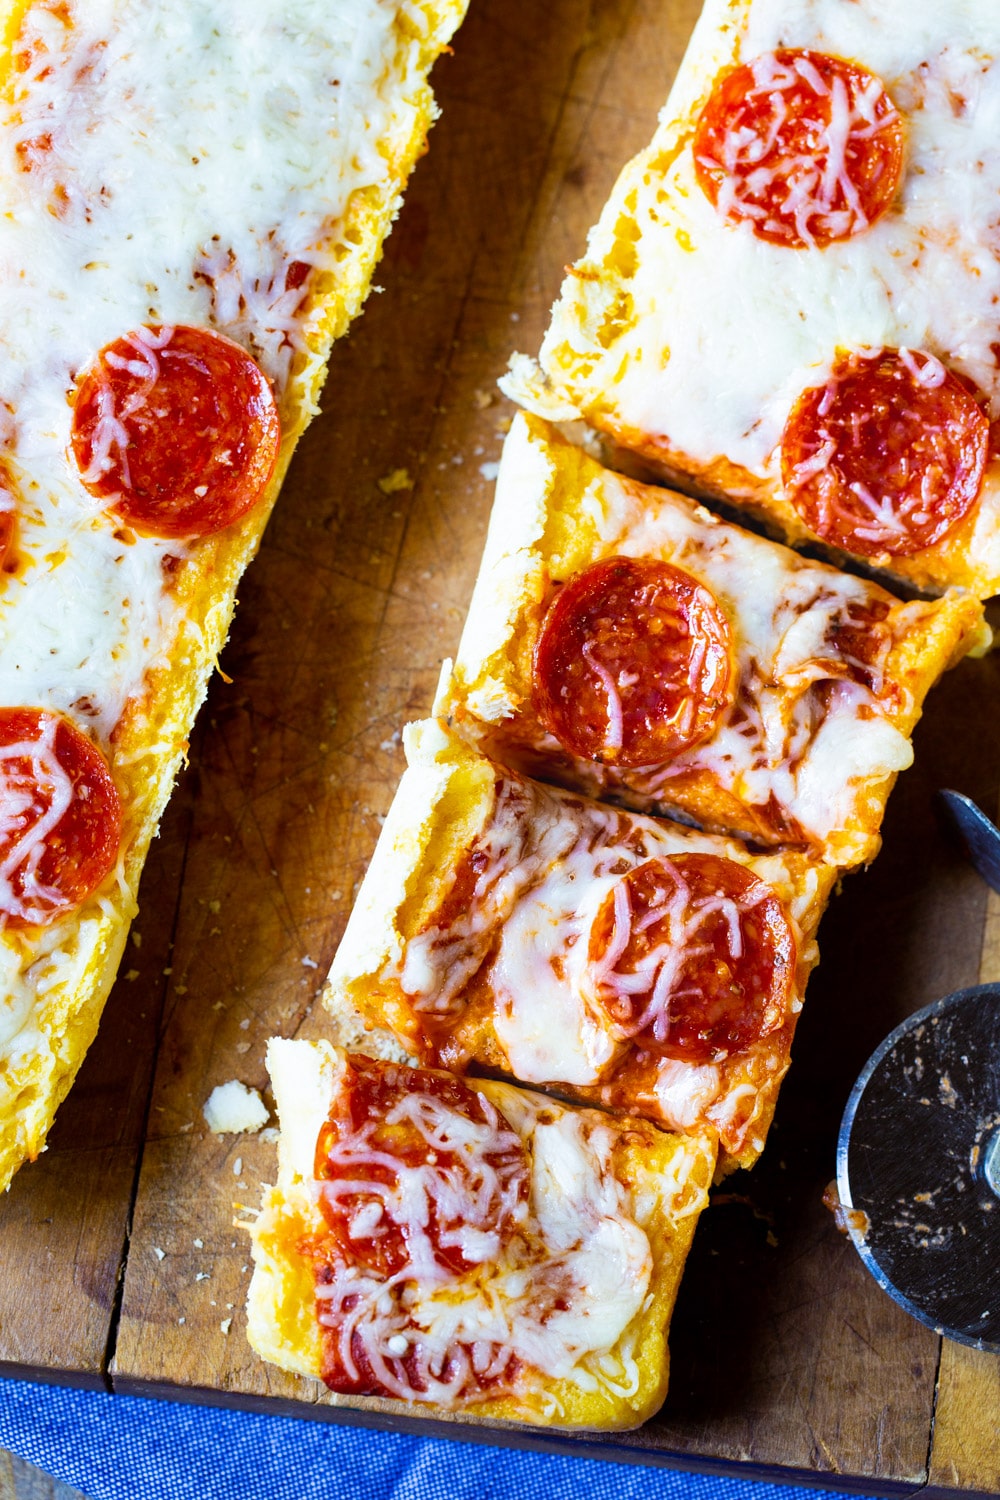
(781, 307)
(173, 278)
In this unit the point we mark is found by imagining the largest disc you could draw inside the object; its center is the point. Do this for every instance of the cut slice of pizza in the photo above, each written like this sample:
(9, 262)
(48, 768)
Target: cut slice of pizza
(624, 960)
(195, 199)
(468, 1246)
(791, 296)
(623, 641)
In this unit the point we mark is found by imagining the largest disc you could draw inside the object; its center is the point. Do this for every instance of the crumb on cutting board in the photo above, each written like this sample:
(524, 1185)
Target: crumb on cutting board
(233, 1109)
(399, 479)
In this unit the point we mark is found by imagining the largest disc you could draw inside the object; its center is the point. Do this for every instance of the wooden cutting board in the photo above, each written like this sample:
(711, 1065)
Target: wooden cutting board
(120, 1264)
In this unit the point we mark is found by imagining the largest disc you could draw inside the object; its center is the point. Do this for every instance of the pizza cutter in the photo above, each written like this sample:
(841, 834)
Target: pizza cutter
(918, 1157)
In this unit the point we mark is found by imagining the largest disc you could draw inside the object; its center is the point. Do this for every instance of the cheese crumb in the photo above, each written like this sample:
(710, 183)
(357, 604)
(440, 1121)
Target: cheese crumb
(225, 1325)
(399, 479)
(232, 1108)
(158, 1252)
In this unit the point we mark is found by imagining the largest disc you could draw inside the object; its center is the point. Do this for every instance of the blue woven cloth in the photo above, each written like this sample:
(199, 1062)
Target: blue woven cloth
(123, 1448)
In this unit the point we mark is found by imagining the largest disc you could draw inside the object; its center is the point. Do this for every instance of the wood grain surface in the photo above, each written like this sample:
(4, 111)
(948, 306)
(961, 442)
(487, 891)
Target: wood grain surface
(22, 1481)
(786, 1358)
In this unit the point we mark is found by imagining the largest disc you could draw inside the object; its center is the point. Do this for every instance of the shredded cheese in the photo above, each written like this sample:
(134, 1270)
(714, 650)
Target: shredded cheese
(818, 188)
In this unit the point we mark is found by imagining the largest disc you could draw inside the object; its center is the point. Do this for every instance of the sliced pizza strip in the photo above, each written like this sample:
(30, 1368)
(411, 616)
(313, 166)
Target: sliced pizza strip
(623, 641)
(627, 961)
(467, 1246)
(791, 295)
(194, 201)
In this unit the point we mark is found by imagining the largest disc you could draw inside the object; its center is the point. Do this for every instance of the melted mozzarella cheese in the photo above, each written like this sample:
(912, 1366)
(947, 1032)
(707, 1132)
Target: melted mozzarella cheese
(724, 330)
(685, 1093)
(542, 1019)
(161, 165)
(586, 1221)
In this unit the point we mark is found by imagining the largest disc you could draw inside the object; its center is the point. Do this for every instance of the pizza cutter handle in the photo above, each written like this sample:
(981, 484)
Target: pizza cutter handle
(980, 836)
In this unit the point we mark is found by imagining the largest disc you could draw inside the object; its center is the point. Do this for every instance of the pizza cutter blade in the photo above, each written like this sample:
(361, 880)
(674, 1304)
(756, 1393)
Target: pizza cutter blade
(918, 1166)
(918, 1158)
(980, 836)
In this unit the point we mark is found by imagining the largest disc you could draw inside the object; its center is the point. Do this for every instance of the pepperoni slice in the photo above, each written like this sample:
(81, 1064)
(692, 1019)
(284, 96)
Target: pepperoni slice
(634, 663)
(177, 429)
(805, 148)
(399, 1134)
(423, 1181)
(693, 957)
(888, 456)
(60, 817)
